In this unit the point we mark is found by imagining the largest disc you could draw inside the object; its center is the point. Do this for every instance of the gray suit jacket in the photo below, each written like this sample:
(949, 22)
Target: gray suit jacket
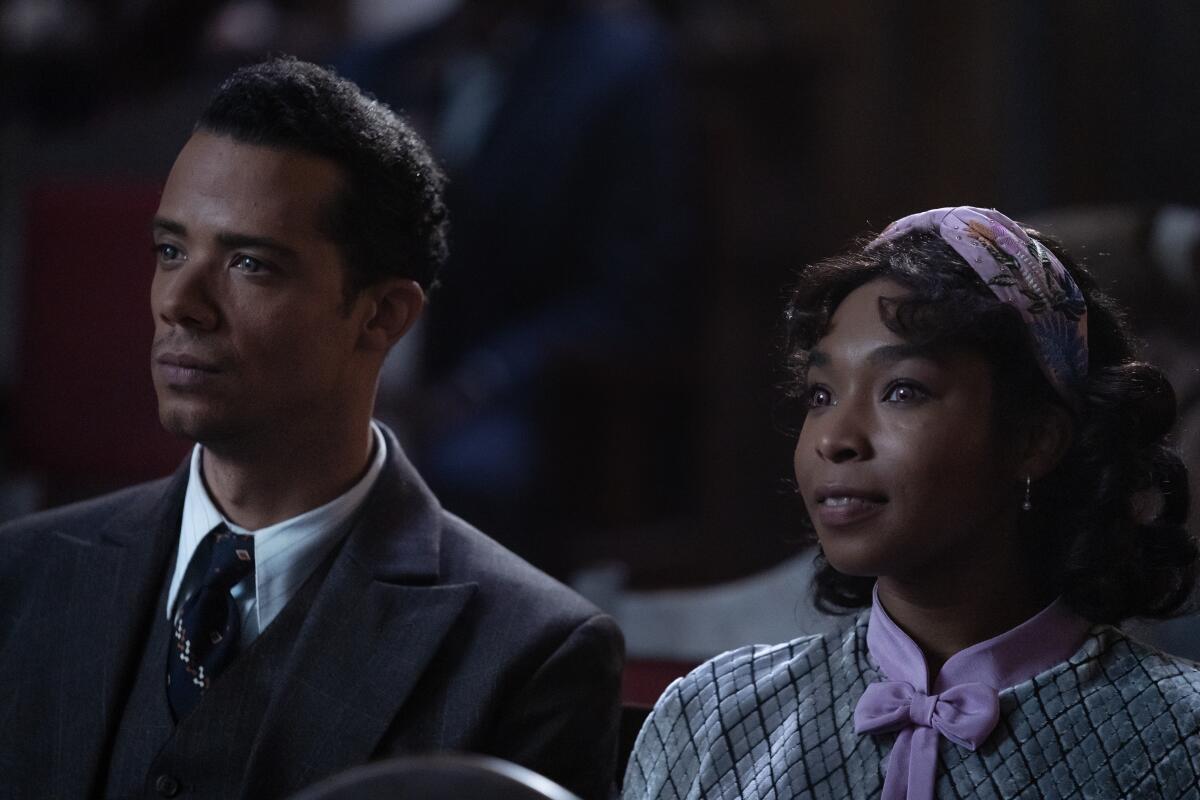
(423, 635)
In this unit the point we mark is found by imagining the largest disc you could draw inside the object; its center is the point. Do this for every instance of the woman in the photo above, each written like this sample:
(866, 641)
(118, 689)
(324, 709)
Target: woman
(982, 462)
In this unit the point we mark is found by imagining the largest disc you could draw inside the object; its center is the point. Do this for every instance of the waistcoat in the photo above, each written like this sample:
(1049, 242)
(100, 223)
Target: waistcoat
(205, 753)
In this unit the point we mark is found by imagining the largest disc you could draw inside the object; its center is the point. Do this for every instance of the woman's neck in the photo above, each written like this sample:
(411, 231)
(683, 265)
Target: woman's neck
(950, 613)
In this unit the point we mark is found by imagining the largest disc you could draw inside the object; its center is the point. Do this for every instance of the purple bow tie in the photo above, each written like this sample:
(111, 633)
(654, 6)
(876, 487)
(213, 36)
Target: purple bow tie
(964, 714)
(962, 701)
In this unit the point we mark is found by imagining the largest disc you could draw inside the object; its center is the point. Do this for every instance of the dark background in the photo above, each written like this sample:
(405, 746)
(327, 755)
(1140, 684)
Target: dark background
(787, 128)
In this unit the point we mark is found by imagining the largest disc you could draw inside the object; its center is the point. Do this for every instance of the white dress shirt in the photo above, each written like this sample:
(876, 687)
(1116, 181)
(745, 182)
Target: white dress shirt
(285, 553)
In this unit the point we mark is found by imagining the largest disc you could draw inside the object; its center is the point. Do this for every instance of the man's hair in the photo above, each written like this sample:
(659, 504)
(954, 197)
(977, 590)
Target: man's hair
(390, 219)
(1107, 530)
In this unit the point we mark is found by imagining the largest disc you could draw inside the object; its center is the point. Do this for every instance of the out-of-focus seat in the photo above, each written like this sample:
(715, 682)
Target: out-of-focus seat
(437, 777)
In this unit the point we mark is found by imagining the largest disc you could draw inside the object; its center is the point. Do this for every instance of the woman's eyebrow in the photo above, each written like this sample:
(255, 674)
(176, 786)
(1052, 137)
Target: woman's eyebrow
(884, 354)
(891, 353)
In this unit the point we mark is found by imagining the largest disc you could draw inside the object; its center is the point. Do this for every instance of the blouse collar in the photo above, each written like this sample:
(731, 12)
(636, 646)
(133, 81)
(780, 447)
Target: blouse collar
(1045, 639)
(962, 704)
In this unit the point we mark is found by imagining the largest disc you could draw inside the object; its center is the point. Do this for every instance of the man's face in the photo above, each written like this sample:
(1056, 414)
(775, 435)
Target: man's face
(251, 335)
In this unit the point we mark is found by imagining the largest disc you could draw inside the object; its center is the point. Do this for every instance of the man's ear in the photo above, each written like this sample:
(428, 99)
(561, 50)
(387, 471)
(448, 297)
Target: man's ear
(1048, 436)
(394, 305)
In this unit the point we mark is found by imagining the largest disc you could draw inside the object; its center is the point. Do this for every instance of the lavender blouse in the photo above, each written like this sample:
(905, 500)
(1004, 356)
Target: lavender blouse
(961, 703)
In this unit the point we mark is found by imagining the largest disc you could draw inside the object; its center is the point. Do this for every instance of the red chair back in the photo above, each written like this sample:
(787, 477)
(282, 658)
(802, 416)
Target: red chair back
(84, 411)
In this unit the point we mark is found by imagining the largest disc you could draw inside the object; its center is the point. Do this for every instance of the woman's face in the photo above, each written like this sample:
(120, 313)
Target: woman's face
(899, 462)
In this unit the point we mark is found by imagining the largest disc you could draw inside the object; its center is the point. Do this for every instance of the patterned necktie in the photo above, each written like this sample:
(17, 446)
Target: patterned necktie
(209, 624)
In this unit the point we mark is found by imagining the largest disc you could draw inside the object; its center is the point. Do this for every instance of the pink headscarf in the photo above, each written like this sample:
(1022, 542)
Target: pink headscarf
(1023, 273)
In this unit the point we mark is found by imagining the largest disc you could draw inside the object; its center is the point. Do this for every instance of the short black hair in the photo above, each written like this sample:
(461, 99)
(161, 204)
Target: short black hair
(390, 220)
(1108, 533)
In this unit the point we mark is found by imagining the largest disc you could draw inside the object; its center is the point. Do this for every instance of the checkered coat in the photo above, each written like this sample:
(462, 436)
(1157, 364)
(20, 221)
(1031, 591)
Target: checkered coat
(1117, 720)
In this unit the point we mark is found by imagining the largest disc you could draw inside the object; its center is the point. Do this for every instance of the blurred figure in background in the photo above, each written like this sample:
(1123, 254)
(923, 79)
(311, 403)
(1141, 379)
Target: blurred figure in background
(1149, 258)
(559, 126)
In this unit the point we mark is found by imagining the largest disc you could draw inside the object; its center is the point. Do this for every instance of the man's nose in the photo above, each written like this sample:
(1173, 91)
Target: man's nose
(183, 296)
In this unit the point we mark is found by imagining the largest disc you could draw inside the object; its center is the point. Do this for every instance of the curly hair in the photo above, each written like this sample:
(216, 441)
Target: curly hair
(390, 220)
(1108, 533)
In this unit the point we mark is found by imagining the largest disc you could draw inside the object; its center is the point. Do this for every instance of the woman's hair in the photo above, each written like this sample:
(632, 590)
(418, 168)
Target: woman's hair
(1107, 528)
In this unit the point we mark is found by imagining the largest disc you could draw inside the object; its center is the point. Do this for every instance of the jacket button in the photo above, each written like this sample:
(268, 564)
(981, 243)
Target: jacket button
(166, 785)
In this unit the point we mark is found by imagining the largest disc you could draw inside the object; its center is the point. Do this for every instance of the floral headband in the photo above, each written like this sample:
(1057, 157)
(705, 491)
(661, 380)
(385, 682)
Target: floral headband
(1023, 273)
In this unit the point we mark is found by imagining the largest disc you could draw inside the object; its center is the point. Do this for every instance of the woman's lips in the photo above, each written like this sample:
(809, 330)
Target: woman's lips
(839, 508)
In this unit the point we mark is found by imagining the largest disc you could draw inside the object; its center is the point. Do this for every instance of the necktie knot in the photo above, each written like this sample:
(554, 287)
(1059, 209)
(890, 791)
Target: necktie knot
(232, 558)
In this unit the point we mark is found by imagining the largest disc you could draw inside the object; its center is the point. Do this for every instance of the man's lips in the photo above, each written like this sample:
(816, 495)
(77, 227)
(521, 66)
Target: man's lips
(185, 361)
(186, 371)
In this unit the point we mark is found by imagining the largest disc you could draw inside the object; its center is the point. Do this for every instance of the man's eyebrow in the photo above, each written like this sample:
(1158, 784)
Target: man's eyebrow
(235, 240)
(228, 239)
(169, 225)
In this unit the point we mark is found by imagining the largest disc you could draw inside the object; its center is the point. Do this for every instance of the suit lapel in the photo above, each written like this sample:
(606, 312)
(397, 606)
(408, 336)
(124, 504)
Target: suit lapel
(376, 622)
(108, 597)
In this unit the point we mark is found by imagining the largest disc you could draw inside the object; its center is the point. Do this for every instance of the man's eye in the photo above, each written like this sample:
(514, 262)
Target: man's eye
(168, 252)
(249, 264)
(903, 392)
(819, 396)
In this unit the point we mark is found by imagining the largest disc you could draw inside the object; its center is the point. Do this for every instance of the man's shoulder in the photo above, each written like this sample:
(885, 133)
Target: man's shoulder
(79, 519)
(527, 609)
(470, 556)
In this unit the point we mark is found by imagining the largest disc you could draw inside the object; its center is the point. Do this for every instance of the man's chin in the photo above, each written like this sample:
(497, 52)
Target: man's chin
(195, 425)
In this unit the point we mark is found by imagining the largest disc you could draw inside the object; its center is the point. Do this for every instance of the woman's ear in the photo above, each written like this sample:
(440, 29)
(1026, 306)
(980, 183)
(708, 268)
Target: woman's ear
(394, 305)
(1048, 435)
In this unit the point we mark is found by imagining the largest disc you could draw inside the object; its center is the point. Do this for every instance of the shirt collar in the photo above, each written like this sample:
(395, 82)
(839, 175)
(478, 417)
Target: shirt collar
(285, 553)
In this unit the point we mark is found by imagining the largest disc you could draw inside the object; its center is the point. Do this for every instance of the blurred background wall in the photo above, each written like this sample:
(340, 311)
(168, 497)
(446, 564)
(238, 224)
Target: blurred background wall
(633, 184)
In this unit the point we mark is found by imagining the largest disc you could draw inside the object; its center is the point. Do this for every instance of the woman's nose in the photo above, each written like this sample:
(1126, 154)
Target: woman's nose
(843, 435)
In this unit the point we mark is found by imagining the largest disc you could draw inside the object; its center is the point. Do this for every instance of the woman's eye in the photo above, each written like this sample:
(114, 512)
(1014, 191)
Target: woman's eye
(904, 393)
(819, 396)
(249, 264)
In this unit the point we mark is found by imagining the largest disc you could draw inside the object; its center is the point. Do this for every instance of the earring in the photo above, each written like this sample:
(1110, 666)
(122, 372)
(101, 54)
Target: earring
(1028, 504)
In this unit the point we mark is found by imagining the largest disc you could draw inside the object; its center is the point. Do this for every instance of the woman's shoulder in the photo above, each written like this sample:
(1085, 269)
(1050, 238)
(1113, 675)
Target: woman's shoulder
(1126, 656)
(1147, 674)
(742, 697)
(1115, 677)
(1120, 704)
(764, 670)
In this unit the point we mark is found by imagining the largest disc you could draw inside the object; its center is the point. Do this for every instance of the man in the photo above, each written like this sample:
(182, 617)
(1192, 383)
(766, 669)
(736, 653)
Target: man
(293, 601)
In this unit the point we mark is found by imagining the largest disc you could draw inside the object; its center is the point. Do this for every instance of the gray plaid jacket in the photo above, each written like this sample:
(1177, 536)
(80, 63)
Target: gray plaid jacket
(1117, 720)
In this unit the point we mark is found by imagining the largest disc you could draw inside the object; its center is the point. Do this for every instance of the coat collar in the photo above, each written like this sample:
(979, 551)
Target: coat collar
(110, 588)
(397, 538)
(378, 618)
